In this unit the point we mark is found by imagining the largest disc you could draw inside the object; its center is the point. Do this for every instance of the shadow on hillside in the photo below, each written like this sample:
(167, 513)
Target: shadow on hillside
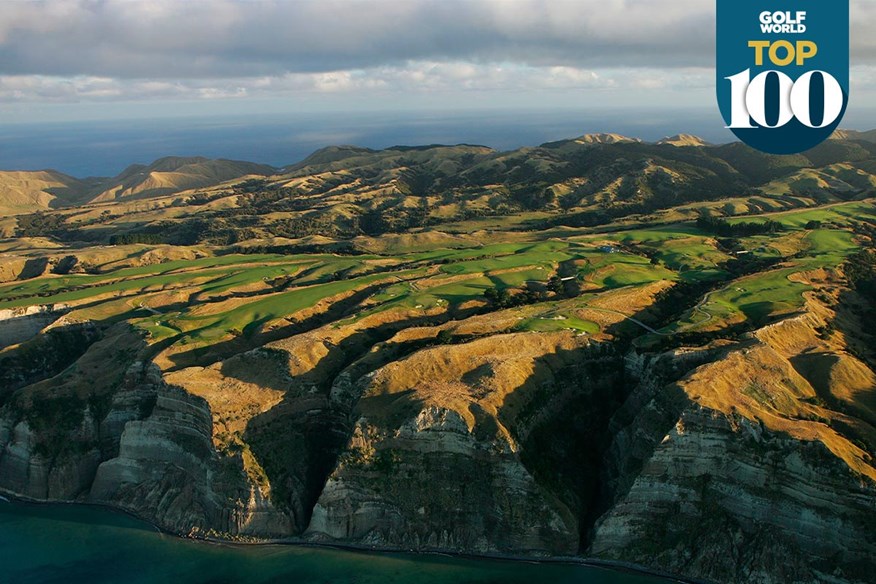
(33, 268)
(816, 368)
(561, 417)
(252, 337)
(852, 311)
(44, 356)
(298, 441)
(66, 196)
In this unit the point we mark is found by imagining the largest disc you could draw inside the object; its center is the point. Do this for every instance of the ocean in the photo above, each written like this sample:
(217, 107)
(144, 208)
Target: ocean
(69, 544)
(105, 148)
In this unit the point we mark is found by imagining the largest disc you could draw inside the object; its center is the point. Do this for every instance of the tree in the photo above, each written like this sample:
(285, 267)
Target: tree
(555, 285)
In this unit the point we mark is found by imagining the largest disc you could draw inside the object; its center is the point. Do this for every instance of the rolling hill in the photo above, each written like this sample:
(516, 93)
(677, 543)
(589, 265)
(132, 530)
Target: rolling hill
(29, 191)
(655, 354)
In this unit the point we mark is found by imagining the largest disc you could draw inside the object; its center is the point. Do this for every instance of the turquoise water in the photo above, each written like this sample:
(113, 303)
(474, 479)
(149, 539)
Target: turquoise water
(70, 544)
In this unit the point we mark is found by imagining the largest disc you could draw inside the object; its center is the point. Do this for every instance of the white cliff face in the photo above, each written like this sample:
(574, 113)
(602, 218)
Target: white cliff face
(26, 470)
(20, 468)
(727, 500)
(431, 483)
(162, 463)
(167, 469)
(20, 324)
(151, 454)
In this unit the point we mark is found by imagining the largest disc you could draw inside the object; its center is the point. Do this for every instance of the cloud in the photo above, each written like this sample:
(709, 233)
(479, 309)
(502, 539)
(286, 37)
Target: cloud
(73, 50)
(413, 78)
(226, 38)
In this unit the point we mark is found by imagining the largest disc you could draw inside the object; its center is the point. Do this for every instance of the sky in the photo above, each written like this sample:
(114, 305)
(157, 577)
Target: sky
(64, 60)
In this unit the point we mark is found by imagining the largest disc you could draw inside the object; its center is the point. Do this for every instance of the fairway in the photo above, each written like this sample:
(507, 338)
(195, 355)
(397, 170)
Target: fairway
(211, 299)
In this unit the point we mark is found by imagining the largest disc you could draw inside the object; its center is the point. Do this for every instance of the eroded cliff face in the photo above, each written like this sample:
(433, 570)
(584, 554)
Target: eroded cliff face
(738, 461)
(753, 467)
(431, 483)
(724, 499)
(20, 324)
(54, 433)
(438, 460)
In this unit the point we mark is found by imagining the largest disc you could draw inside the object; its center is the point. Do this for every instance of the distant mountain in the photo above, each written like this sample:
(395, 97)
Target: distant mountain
(331, 154)
(175, 174)
(342, 192)
(29, 191)
(604, 139)
(869, 136)
(683, 140)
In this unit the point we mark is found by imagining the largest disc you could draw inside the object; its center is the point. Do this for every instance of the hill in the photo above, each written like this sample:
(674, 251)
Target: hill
(29, 191)
(622, 351)
(869, 136)
(604, 139)
(343, 192)
(173, 175)
(683, 140)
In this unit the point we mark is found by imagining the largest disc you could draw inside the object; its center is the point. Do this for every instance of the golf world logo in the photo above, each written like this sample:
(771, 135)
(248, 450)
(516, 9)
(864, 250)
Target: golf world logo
(783, 71)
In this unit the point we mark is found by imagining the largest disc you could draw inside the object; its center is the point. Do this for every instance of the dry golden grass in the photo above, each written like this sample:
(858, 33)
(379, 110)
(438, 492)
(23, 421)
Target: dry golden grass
(495, 376)
(759, 384)
(233, 402)
(791, 379)
(98, 372)
(413, 242)
(10, 267)
(29, 191)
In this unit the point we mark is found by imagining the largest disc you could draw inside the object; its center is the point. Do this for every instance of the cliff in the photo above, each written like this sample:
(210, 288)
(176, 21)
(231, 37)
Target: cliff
(698, 398)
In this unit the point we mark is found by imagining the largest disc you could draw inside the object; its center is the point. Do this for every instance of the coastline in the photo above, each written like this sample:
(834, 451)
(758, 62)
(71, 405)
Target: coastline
(618, 566)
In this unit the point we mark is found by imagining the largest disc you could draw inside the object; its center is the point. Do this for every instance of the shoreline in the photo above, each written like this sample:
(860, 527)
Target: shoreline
(614, 565)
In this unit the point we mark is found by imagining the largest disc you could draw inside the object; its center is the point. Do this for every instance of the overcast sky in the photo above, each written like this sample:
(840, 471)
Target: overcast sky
(69, 59)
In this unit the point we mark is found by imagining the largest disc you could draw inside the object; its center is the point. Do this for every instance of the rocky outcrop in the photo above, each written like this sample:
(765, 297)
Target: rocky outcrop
(720, 495)
(434, 483)
(446, 452)
(20, 470)
(166, 468)
(724, 499)
(163, 462)
(20, 324)
(29, 470)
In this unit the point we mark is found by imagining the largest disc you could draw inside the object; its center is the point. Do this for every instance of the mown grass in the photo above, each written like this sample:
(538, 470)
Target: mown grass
(674, 252)
(248, 277)
(761, 296)
(841, 214)
(829, 246)
(506, 262)
(557, 322)
(248, 317)
(615, 270)
(520, 278)
(131, 286)
(165, 272)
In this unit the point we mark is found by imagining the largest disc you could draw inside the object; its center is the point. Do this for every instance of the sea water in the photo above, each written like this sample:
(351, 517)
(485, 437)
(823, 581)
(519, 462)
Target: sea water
(42, 544)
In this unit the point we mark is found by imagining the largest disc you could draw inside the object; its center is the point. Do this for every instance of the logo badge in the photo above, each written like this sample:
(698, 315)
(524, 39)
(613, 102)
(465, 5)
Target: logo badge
(783, 71)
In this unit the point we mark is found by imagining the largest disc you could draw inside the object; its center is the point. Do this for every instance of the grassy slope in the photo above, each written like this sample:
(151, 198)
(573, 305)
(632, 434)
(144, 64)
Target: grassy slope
(456, 276)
